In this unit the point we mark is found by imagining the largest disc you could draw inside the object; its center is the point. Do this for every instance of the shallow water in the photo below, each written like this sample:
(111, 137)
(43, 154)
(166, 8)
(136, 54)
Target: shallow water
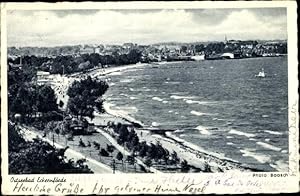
(219, 106)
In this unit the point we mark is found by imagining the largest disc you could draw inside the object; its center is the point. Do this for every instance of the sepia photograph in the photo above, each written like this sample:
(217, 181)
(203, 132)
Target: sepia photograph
(183, 90)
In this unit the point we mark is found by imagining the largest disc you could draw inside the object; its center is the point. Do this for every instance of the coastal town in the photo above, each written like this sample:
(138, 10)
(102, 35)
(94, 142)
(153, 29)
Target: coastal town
(171, 51)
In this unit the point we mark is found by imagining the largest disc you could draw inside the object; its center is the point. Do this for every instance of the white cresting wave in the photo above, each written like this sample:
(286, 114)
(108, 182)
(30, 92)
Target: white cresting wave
(268, 146)
(179, 131)
(200, 113)
(198, 148)
(261, 158)
(280, 166)
(203, 130)
(117, 73)
(188, 101)
(181, 97)
(154, 124)
(157, 99)
(232, 131)
(197, 113)
(126, 80)
(119, 113)
(273, 132)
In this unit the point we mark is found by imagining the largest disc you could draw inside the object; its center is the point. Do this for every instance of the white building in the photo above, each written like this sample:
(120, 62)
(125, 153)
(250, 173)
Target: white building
(42, 77)
(198, 57)
(228, 55)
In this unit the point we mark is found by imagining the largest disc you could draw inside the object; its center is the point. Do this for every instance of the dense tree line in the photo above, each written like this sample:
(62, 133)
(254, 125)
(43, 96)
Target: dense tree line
(27, 98)
(68, 64)
(30, 100)
(44, 51)
(38, 157)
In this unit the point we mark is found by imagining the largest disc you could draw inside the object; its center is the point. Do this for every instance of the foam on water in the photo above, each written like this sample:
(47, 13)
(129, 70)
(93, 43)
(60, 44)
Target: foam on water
(179, 131)
(126, 80)
(196, 147)
(232, 131)
(273, 132)
(131, 108)
(203, 130)
(257, 156)
(197, 113)
(123, 94)
(280, 166)
(189, 101)
(145, 89)
(284, 151)
(234, 106)
(268, 146)
(120, 113)
(181, 97)
(172, 82)
(157, 99)
(117, 73)
(154, 124)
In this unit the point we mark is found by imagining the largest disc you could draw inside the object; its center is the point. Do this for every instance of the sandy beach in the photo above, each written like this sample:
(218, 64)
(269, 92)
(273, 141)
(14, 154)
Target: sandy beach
(194, 157)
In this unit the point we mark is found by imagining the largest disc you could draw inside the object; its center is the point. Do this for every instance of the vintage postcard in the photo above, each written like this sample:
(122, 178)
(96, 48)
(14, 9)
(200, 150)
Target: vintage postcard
(149, 98)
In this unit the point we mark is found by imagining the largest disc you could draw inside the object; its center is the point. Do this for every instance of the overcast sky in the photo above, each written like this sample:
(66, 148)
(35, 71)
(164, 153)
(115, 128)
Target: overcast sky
(52, 28)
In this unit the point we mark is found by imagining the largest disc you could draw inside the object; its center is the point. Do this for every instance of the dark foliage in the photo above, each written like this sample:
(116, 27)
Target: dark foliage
(85, 95)
(103, 152)
(119, 156)
(154, 152)
(38, 157)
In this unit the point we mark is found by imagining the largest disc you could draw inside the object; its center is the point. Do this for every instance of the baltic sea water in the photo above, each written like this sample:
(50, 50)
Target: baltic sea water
(218, 105)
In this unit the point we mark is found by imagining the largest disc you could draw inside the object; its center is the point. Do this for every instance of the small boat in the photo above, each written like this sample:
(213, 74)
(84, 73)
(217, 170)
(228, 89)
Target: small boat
(261, 74)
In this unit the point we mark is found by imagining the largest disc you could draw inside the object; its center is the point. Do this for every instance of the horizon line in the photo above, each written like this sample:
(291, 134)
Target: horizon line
(141, 44)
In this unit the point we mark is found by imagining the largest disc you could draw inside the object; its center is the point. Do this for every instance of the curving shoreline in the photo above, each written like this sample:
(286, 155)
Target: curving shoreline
(195, 156)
